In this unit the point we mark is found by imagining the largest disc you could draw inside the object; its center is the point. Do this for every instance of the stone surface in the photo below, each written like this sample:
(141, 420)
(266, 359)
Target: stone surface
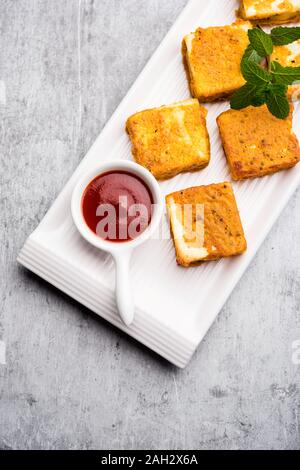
(70, 380)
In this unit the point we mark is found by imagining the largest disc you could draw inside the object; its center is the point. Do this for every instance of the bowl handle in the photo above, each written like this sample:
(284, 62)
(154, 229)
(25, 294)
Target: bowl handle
(124, 295)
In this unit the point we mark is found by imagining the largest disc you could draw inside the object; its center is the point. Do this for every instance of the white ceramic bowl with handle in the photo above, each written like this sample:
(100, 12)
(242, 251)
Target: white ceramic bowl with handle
(120, 251)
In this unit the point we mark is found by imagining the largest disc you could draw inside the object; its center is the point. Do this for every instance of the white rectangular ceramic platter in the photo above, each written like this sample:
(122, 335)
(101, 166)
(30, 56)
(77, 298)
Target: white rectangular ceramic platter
(174, 306)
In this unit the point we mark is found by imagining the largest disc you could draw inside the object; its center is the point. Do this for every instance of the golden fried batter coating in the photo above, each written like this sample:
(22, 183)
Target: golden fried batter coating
(170, 139)
(256, 143)
(212, 57)
(270, 11)
(213, 230)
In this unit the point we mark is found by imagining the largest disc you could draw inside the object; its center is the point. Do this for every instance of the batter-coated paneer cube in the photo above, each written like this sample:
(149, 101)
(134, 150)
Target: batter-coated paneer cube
(205, 224)
(270, 11)
(289, 56)
(256, 143)
(170, 139)
(212, 58)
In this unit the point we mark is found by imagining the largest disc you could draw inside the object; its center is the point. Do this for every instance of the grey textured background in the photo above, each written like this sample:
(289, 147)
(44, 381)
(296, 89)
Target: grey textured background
(70, 379)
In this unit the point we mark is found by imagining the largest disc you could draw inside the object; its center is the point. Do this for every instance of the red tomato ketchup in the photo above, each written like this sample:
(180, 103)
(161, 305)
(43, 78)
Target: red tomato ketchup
(117, 206)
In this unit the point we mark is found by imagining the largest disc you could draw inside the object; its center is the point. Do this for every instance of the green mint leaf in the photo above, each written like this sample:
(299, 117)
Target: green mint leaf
(260, 41)
(284, 75)
(255, 74)
(251, 54)
(248, 95)
(277, 101)
(278, 89)
(260, 97)
(243, 97)
(285, 35)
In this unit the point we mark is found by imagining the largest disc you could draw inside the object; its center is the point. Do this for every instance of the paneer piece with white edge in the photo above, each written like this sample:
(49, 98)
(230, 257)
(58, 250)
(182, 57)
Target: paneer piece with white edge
(289, 56)
(256, 143)
(270, 11)
(212, 58)
(205, 224)
(170, 139)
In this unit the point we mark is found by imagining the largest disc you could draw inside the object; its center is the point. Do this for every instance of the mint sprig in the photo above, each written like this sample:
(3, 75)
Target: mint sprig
(254, 73)
(251, 54)
(266, 80)
(249, 95)
(285, 75)
(260, 41)
(281, 36)
(277, 101)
